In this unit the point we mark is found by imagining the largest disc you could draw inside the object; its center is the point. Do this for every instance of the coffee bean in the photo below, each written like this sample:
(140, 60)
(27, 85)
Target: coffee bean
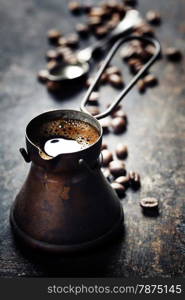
(105, 124)
(134, 179)
(54, 35)
(72, 40)
(101, 31)
(52, 65)
(74, 7)
(173, 54)
(86, 7)
(149, 203)
(121, 151)
(51, 54)
(82, 29)
(98, 11)
(107, 157)
(145, 29)
(116, 80)
(93, 98)
(93, 110)
(141, 85)
(127, 53)
(119, 189)
(153, 17)
(123, 180)
(119, 113)
(112, 70)
(118, 125)
(150, 80)
(42, 76)
(130, 2)
(117, 168)
(104, 146)
(93, 22)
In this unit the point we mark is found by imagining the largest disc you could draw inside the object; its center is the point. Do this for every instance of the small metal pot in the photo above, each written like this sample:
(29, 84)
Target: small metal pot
(66, 204)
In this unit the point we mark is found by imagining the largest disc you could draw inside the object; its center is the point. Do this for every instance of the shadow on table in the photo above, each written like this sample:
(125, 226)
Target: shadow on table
(93, 263)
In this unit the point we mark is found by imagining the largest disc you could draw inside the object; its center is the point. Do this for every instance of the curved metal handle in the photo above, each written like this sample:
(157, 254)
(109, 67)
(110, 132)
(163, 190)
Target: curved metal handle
(109, 57)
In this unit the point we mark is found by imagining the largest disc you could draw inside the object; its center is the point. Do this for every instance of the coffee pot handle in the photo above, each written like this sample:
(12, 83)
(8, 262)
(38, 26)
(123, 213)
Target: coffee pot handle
(129, 86)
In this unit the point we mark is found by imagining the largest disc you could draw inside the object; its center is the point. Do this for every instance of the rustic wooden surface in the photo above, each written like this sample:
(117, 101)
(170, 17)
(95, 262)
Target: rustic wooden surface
(151, 246)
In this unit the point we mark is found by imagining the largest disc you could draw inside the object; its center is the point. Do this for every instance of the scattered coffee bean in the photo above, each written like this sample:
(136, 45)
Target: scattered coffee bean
(101, 31)
(116, 80)
(153, 17)
(119, 189)
(87, 7)
(119, 113)
(130, 2)
(145, 29)
(93, 110)
(150, 80)
(72, 40)
(93, 22)
(118, 125)
(105, 124)
(123, 180)
(74, 7)
(121, 151)
(149, 203)
(104, 146)
(93, 99)
(112, 70)
(82, 29)
(51, 54)
(134, 179)
(42, 76)
(52, 65)
(141, 85)
(173, 54)
(97, 12)
(107, 157)
(54, 35)
(117, 168)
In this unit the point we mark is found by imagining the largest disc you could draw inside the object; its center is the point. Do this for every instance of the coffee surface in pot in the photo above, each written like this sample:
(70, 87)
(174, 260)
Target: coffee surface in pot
(66, 136)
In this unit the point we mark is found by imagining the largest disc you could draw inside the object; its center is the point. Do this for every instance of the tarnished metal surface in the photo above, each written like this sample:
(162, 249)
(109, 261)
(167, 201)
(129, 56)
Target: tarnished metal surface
(151, 246)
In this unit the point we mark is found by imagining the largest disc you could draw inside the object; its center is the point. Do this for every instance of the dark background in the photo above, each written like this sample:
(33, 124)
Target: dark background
(151, 246)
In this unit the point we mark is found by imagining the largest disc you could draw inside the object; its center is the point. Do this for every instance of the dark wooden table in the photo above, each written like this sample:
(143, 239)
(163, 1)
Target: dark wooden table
(151, 246)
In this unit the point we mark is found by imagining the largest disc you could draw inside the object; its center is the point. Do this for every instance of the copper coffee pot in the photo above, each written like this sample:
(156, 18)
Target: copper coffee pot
(66, 204)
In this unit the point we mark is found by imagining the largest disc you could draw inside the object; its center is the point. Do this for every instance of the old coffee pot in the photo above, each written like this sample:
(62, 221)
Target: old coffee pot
(66, 204)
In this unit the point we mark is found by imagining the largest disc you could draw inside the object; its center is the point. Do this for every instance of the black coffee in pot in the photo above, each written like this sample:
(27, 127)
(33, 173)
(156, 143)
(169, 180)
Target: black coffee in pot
(67, 136)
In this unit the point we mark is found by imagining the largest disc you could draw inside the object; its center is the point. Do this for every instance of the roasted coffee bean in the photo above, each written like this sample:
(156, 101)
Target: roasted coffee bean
(42, 76)
(93, 99)
(107, 157)
(115, 80)
(119, 113)
(173, 54)
(134, 179)
(130, 2)
(53, 86)
(97, 12)
(104, 146)
(127, 52)
(101, 31)
(94, 110)
(141, 85)
(153, 17)
(82, 29)
(118, 125)
(150, 80)
(93, 22)
(62, 41)
(117, 168)
(52, 64)
(119, 189)
(51, 54)
(74, 7)
(72, 40)
(105, 124)
(113, 70)
(123, 180)
(121, 151)
(54, 35)
(145, 29)
(86, 7)
(149, 203)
